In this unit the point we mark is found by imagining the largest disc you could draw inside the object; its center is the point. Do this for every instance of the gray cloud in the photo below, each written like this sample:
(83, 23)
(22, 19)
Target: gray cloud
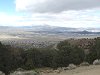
(55, 6)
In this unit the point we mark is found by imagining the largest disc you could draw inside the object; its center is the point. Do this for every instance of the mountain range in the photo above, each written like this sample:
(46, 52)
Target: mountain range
(45, 30)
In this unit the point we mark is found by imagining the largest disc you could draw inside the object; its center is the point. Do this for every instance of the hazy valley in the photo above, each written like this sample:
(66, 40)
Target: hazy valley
(43, 35)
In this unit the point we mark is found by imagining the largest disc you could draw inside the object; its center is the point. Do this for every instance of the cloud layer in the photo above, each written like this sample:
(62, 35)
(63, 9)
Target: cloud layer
(76, 19)
(55, 6)
(66, 13)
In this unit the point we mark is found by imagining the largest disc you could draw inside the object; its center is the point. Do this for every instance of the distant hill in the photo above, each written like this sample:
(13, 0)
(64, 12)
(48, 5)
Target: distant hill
(86, 32)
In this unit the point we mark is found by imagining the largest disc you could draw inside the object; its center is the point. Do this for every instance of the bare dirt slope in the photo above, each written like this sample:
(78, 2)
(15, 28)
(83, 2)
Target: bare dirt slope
(91, 70)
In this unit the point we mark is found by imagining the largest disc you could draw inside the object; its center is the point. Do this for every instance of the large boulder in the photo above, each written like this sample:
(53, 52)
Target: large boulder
(96, 62)
(24, 73)
(84, 64)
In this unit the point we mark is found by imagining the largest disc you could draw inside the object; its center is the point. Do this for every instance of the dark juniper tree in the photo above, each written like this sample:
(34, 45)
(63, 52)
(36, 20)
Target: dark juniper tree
(6, 61)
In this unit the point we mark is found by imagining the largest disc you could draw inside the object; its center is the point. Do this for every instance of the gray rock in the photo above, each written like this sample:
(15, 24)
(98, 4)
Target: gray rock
(96, 62)
(60, 69)
(20, 69)
(57, 71)
(24, 73)
(71, 66)
(84, 64)
(1, 73)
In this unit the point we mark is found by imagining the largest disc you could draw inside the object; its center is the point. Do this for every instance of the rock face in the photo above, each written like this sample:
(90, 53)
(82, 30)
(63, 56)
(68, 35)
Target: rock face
(96, 62)
(1, 73)
(24, 73)
(84, 64)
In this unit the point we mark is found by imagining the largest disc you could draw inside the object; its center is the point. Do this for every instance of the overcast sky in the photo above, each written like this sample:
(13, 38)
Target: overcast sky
(66, 13)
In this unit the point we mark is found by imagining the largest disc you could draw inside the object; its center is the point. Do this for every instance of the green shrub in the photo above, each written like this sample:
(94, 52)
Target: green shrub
(69, 54)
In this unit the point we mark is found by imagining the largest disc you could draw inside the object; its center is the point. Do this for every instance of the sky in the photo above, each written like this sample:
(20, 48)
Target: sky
(64, 13)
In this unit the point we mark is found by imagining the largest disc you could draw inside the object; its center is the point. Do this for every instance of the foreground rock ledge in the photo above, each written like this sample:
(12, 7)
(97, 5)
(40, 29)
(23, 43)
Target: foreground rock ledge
(82, 70)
